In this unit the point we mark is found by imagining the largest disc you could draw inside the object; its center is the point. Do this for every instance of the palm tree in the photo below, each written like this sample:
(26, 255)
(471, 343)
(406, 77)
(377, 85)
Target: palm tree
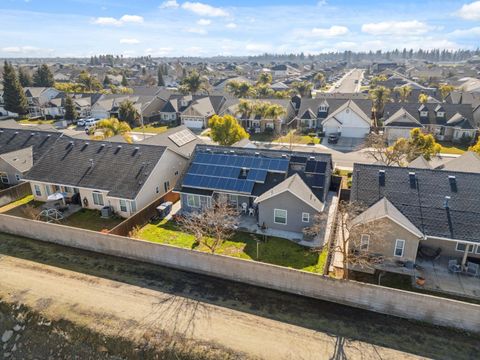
(264, 78)
(275, 111)
(129, 113)
(244, 109)
(239, 89)
(379, 96)
(263, 91)
(193, 83)
(319, 78)
(404, 92)
(303, 88)
(112, 127)
(423, 98)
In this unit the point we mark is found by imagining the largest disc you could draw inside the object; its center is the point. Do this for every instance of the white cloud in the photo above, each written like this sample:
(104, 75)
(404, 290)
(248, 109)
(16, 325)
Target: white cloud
(171, 4)
(25, 50)
(131, 19)
(12, 49)
(332, 31)
(129, 41)
(199, 31)
(107, 21)
(204, 9)
(467, 33)
(204, 22)
(111, 21)
(256, 48)
(412, 27)
(322, 3)
(159, 52)
(470, 11)
(231, 25)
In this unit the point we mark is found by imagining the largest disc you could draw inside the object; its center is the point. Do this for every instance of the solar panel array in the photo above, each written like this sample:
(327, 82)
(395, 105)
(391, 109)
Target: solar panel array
(315, 167)
(213, 170)
(217, 183)
(182, 137)
(241, 161)
(257, 175)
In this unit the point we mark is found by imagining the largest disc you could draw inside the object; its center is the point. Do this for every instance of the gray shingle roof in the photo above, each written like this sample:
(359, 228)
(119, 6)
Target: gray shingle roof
(423, 203)
(333, 104)
(121, 169)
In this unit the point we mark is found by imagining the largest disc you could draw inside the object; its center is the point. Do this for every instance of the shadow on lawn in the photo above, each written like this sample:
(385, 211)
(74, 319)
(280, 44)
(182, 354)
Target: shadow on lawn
(337, 320)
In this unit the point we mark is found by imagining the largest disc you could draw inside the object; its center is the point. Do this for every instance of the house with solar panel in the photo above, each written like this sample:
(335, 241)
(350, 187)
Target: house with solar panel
(278, 192)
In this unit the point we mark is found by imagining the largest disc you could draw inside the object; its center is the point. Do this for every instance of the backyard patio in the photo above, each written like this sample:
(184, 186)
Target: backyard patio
(438, 278)
(72, 215)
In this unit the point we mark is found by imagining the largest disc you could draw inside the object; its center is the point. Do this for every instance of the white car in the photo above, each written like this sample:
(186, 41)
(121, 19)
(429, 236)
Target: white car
(81, 122)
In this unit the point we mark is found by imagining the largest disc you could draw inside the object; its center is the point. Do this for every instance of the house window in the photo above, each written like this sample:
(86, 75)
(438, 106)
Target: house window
(38, 192)
(157, 189)
(97, 198)
(4, 177)
(440, 114)
(399, 247)
(423, 113)
(123, 205)
(166, 185)
(68, 189)
(232, 199)
(364, 242)
(18, 177)
(193, 201)
(176, 173)
(280, 216)
(133, 206)
(462, 246)
(305, 217)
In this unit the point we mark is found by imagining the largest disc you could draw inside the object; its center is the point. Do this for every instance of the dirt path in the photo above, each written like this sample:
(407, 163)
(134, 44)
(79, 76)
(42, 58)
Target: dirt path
(120, 297)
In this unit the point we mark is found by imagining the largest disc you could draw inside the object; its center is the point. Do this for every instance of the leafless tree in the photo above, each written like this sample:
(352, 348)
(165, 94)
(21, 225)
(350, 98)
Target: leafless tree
(376, 146)
(212, 225)
(346, 243)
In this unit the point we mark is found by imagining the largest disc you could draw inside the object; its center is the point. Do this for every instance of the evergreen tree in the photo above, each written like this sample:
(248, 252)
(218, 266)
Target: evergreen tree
(43, 77)
(124, 80)
(13, 94)
(106, 82)
(161, 82)
(24, 78)
(70, 111)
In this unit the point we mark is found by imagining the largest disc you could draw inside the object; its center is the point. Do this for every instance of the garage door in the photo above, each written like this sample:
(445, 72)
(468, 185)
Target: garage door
(193, 123)
(354, 132)
(396, 133)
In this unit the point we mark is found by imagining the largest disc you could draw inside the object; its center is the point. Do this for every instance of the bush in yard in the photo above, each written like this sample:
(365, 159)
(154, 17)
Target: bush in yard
(226, 130)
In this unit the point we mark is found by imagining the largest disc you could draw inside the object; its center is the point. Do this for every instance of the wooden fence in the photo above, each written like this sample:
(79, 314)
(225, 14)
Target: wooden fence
(143, 216)
(14, 193)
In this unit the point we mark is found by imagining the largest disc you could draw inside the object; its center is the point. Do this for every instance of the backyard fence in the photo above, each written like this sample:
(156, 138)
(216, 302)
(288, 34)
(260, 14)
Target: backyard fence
(432, 309)
(144, 215)
(14, 193)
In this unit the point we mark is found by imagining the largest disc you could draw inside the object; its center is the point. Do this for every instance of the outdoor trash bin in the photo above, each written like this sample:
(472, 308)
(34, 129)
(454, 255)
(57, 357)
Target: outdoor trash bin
(164, 209)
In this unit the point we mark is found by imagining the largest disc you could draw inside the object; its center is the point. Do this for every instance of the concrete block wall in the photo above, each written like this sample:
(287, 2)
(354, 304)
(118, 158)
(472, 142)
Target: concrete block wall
(436, 310)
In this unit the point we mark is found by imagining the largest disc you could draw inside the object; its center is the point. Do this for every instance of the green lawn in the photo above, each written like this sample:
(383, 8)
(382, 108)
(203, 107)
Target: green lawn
(152, 128)
(36, 122)
(274, 251)
(293, 137)
(90, 220)
(449, 148)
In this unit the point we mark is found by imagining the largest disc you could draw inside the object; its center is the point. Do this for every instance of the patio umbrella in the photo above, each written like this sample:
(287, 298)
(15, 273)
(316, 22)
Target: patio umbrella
(56, 196)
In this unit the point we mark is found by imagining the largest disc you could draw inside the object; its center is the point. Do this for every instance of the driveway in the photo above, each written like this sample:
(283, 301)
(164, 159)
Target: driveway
(345, 144)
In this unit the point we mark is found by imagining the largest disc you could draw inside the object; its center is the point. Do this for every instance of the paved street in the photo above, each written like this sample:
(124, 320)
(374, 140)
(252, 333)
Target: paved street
(347, 83)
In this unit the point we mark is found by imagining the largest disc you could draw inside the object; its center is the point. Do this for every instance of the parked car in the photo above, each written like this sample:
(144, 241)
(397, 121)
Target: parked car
(87, 122)
(333, 138)
(81, 122)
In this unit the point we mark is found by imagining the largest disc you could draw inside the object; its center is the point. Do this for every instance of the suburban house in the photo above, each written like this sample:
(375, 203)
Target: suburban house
(179, 139)
(447, 122)
(276, 191)
(284, 70)
(20, 150)
(350, 118)
(193, 111)
(258, 123)
(415, 208)
(38, 98)
(125, 177)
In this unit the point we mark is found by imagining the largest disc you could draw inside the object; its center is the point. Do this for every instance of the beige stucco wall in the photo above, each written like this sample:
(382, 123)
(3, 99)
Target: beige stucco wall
(449, 248)
(436, 310)
(383, 235)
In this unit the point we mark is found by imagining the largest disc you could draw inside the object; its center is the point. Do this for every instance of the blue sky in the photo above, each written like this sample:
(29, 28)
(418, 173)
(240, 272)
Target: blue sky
(212, 27)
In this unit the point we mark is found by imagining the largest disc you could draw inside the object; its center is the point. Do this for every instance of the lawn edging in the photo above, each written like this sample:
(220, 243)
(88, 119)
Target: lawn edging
(428, 308)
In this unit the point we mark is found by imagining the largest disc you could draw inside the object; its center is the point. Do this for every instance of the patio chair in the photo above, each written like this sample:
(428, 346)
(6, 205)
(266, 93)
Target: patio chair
(453, 266)
(244, 207)
(472, 269)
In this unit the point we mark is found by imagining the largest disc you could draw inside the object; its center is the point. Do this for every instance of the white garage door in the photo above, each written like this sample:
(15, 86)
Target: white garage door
(396, 133)
(193, 123)
(355, 132)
